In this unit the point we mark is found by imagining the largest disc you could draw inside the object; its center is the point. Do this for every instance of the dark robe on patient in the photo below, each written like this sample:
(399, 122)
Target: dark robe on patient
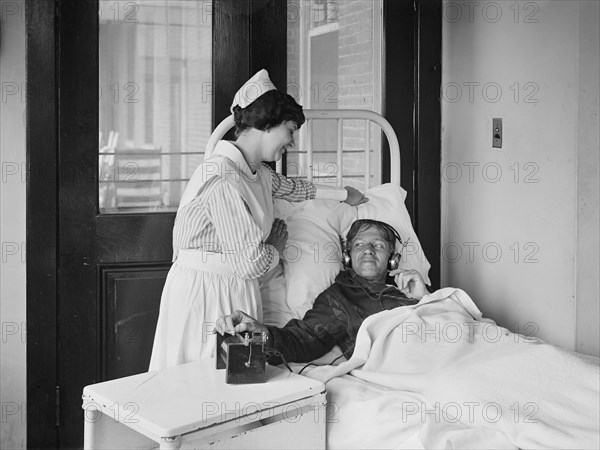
(334, 318)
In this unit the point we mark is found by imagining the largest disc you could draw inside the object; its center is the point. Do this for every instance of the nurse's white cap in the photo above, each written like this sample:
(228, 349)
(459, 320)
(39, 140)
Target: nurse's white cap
(252, 89)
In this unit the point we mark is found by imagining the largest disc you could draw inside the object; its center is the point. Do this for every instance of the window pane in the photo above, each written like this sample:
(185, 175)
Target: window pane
(334, 62)
(155, 100)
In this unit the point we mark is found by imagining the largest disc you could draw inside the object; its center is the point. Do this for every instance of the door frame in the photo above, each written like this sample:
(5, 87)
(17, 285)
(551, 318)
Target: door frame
(41, 223)
(255, 26)
(412, 105)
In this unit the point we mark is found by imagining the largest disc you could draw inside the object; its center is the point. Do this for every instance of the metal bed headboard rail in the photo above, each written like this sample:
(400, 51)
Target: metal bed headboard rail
(333, 114)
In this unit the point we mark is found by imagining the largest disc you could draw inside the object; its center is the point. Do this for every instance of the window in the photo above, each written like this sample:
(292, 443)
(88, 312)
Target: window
(155, 60)
(334, 61)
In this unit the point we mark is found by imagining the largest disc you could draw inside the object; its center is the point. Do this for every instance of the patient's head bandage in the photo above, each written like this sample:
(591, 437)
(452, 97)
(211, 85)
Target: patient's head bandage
(252, 89)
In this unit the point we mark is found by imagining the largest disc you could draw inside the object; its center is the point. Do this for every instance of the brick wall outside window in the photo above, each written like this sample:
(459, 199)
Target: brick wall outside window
(355, 76)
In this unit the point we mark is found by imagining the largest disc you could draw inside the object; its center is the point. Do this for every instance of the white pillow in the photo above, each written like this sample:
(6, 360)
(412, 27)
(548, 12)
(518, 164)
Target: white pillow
(312, 258)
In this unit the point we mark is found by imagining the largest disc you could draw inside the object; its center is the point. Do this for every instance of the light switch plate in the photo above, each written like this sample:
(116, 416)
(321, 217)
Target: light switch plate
(497, 133)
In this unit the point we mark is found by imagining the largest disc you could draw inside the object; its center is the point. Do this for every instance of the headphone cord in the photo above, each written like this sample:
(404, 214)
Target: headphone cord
(378, 298)
(329, 364)
(272, 351)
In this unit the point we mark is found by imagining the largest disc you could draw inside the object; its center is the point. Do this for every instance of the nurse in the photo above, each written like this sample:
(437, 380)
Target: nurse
(224, 237)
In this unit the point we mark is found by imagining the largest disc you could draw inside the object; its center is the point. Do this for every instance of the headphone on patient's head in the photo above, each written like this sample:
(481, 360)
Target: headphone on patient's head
(393, 261)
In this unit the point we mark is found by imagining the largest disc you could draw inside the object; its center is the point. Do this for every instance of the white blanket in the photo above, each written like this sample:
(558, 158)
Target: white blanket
(438, 375)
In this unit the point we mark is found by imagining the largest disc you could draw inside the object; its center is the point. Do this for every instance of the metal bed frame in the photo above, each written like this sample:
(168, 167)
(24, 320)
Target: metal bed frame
(339, 115)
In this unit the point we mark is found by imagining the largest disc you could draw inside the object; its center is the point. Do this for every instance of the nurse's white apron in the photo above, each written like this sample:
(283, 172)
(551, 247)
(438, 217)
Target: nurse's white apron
(201, 286)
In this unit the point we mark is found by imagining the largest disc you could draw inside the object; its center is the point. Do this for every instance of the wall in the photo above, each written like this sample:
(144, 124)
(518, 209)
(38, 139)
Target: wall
(588, 306)
(510, 216)
(12, 225)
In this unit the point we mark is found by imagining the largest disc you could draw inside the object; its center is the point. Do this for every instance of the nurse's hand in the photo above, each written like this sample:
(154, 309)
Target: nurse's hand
(238, 322)
(278, 236)
(355, 197)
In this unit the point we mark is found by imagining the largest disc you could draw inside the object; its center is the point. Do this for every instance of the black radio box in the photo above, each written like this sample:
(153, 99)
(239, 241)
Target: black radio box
(242, 356)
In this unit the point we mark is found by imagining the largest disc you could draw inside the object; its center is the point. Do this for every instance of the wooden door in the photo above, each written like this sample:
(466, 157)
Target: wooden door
(109, 269)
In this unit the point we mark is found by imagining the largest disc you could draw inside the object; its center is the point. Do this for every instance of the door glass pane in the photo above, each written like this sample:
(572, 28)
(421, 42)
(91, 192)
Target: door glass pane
(155, 65)
(334, 62)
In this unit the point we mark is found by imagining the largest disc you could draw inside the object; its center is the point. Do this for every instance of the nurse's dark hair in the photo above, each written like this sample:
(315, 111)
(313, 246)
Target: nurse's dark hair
(388, 233)
(268, 111)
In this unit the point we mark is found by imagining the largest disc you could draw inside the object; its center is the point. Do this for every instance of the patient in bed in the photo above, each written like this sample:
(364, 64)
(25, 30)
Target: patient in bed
(339, 311)
(428, 376)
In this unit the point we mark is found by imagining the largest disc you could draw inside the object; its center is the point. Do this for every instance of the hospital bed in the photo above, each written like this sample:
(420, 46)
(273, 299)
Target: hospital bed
(437, 375)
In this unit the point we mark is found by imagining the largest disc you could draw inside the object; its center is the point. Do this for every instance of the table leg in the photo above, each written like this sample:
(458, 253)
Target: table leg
(173, 442)
(91, 416)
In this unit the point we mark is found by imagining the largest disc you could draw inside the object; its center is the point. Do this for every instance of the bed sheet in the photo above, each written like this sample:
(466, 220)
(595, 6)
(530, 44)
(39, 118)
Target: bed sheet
(361, 414)
(439, 375)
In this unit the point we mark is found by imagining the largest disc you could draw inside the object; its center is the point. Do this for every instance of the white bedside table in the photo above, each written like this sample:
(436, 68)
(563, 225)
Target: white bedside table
(191, 406)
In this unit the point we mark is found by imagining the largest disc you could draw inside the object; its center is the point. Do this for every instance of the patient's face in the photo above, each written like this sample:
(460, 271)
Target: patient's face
(370, 253)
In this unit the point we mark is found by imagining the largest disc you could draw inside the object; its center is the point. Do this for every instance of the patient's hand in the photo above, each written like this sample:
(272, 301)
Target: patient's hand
(278, 236)
(239, 322)
(410, 283)
(355, 197)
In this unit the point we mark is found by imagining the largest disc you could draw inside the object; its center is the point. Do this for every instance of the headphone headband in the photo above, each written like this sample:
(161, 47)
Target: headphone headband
(394, 257)
(384, 225)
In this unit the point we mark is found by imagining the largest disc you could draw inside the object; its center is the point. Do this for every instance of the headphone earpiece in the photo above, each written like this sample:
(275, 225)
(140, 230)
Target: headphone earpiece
(394, 261)
(346, 260)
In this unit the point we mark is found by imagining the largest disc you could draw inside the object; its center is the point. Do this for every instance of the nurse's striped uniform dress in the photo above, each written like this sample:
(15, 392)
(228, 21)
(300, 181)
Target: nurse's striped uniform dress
(224, 217)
